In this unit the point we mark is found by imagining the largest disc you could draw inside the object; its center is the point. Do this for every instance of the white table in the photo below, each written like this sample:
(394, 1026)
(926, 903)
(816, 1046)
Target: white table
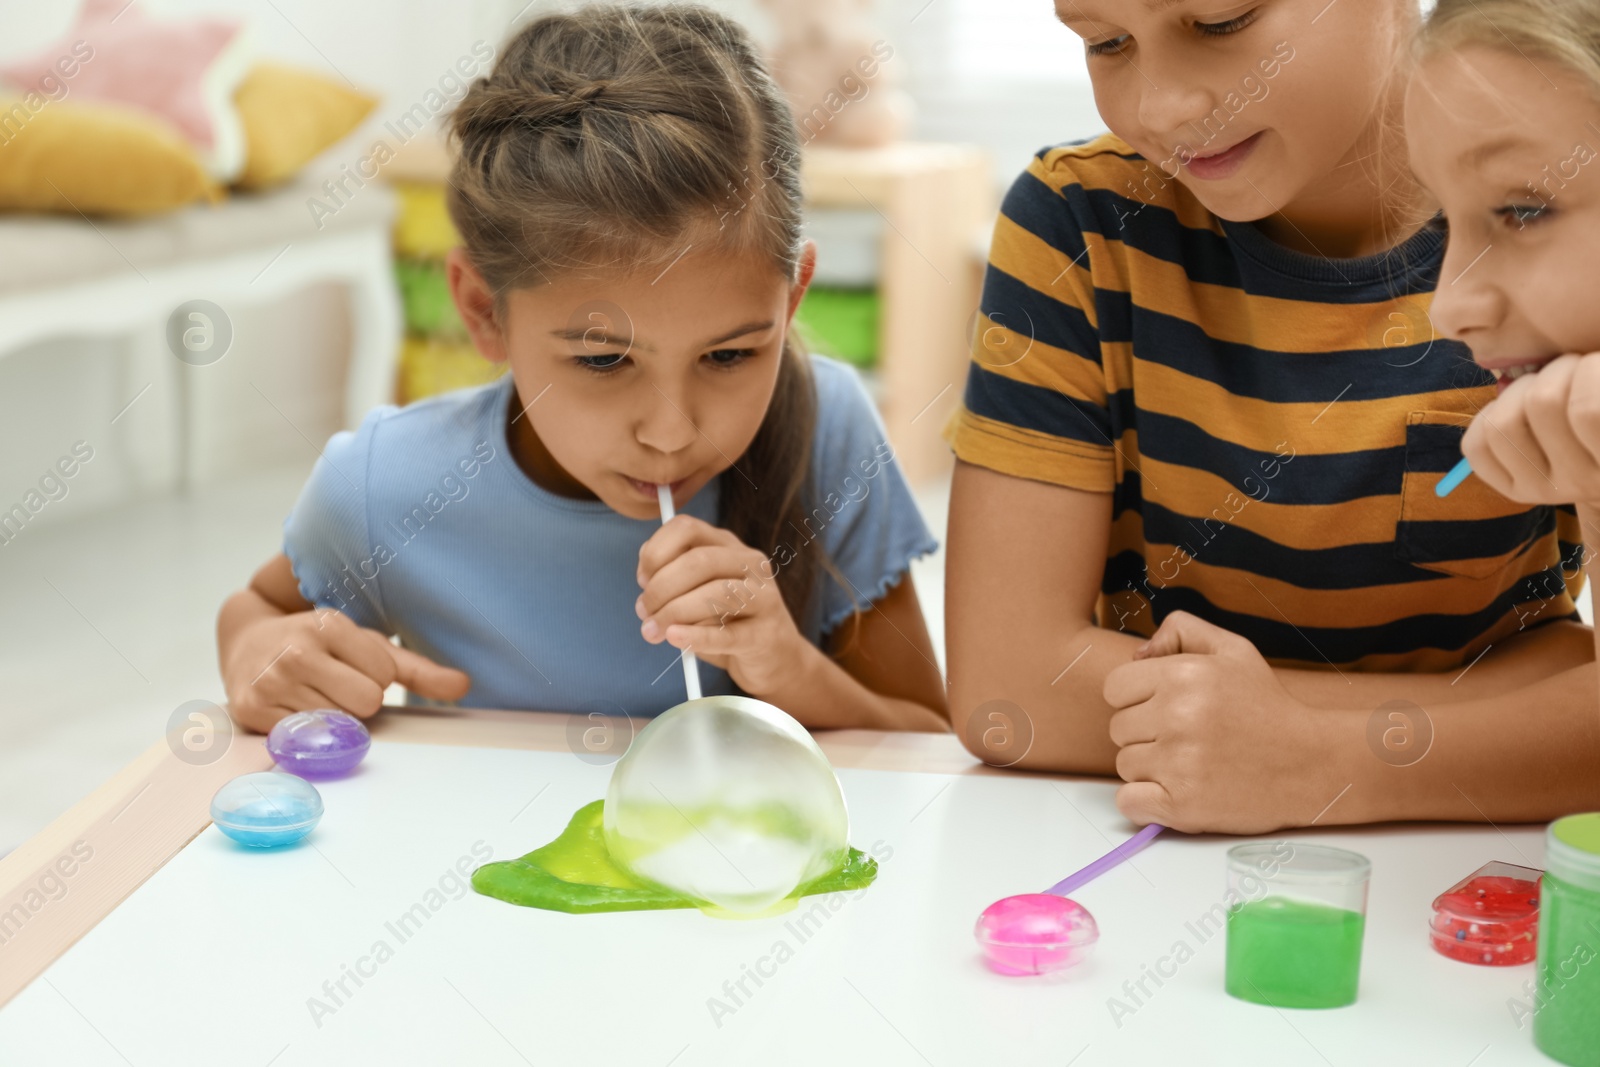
(222, 955)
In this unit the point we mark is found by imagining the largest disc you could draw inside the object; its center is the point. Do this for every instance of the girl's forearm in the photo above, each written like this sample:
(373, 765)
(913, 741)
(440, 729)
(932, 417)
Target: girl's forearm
(1523, 756)
(1509, 665)
(1066, 720)
(824, 696)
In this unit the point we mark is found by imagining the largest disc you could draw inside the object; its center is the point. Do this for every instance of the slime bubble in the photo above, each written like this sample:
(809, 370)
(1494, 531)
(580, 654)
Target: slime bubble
(726, 800)
(266, 809)
(319, 744)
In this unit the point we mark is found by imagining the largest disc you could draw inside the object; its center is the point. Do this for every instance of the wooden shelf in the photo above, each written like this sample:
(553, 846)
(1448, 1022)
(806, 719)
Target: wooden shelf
(934, 199)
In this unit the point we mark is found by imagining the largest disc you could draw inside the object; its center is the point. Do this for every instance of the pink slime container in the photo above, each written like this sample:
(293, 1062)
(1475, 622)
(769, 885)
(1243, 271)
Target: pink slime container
(1035, 933)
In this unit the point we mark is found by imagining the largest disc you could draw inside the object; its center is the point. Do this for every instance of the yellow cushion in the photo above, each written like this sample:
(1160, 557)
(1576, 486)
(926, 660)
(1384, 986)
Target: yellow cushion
(95, 158)
(290, 116)
(423, 228)
(429, 367)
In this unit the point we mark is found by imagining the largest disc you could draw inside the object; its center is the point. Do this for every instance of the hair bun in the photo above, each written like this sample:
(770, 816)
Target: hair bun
(490, 109)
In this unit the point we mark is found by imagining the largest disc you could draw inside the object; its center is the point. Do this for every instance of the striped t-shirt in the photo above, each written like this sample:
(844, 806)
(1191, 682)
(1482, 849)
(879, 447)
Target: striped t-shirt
(1271, 424)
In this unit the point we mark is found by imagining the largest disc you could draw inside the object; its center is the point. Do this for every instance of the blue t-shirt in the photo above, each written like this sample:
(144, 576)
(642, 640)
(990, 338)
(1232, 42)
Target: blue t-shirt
(420, 523)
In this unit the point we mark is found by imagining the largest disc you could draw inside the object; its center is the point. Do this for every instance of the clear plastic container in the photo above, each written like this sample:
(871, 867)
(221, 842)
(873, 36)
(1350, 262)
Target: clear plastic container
(266, 809)
(1296, 917)
(1566, 1020)
(1035, 933)
(319, 744)
(1490, 917)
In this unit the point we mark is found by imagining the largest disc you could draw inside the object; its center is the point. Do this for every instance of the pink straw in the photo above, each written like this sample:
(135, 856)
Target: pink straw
(1100, 866)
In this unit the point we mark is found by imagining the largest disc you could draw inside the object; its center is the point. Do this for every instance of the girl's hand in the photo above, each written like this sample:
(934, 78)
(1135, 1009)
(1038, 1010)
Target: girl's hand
(1539, 441)
(322, 659)
(1210, 740)
(709, 593)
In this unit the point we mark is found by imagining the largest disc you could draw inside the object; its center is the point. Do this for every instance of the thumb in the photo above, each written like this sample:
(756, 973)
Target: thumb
(426, 678)
(1183, 632)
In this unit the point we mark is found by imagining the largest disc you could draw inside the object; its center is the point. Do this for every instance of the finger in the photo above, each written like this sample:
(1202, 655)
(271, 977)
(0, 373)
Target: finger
(302, 696)
(1143, 803)
(365, 650)
(1512, 438)
(675, 538)
(735, 565)
(1482, 446)
(707, 640)
(424, 677)
(1133, 725)
(1585, 404)
(1138, 763)
(1550, 422)
(1182, 632)
(716, 603)
(1132, 683)
(344, 687)
(286, 692)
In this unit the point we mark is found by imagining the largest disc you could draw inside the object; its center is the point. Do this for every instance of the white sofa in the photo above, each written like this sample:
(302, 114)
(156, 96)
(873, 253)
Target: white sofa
(72, 276)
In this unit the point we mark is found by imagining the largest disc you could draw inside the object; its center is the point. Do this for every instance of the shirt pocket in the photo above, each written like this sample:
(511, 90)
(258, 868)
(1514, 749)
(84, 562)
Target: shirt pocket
(1472, 533)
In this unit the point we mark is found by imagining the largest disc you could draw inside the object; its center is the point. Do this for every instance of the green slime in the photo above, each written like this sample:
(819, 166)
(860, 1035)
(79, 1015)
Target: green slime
(1566, 1026)
(576, 874)
(1293, 953)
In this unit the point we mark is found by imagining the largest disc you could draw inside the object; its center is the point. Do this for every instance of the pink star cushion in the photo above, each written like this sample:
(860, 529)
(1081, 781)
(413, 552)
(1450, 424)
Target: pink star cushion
(184, 70)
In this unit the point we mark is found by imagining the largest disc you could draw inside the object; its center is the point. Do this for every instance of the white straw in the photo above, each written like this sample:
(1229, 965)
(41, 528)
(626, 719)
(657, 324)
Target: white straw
(691, 666)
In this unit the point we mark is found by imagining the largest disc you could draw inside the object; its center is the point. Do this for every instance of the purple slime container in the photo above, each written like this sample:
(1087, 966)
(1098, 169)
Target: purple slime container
(319, 744)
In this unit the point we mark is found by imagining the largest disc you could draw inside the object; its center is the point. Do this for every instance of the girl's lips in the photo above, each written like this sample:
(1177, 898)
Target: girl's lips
(1507, 373)
(648, 489)
(1223, 164)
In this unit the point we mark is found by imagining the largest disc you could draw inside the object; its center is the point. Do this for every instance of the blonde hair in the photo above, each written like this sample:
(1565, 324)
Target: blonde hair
(1405, 213)
(1567, 31)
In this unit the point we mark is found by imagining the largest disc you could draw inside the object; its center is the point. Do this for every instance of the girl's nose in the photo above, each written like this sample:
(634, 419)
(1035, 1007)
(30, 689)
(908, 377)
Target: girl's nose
(667, 424)
(1466, 302)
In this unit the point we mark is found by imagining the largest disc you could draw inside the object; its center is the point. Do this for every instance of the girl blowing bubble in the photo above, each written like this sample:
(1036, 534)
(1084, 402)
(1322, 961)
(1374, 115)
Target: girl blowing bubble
(627, 189)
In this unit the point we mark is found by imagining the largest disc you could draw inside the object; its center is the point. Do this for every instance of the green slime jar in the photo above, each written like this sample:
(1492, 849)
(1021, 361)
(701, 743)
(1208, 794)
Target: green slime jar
(1566, 1021)
(1294, 954)
(1296, 918)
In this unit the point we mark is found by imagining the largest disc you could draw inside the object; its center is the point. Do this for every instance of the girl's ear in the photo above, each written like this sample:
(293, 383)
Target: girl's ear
(808, 267)
(475, 303)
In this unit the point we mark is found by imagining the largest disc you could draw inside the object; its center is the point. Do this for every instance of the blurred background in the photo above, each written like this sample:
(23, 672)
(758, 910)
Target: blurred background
(220, 233)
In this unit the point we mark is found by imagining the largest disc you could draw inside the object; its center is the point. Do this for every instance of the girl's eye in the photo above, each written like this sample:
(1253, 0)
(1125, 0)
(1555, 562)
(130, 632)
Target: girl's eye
(1105, 48)
(1222, 29)
(1206, 29)
(1522, 214)
(729, 357)
(601, 364)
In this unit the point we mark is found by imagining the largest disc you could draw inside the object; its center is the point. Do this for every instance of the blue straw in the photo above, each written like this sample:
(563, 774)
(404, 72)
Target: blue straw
(1457, 475)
